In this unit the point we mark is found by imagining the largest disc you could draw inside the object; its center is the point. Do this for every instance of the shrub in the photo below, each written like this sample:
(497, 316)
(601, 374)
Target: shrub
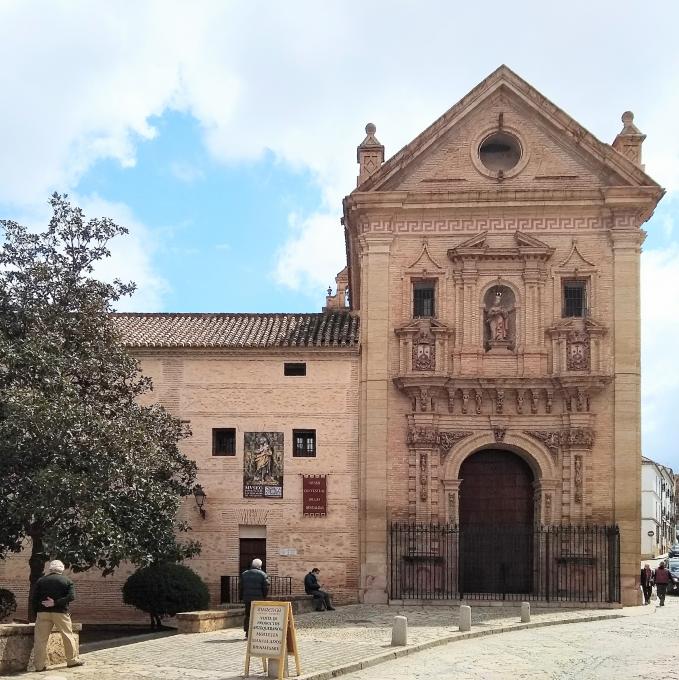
(8, 604)
(165, 589)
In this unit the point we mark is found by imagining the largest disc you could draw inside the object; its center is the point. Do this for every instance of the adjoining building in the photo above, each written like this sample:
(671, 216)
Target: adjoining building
(658, 508)
(481, 435)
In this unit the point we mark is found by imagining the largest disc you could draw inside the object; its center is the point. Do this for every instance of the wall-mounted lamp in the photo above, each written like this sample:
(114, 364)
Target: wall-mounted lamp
(200, 497)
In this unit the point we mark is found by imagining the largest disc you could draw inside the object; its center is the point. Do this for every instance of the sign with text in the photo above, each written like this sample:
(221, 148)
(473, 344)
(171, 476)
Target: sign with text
(314, 496)
(272, 635)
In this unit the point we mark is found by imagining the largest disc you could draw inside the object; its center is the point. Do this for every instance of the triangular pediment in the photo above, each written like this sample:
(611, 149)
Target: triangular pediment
(556, 151)
(578, 324)
(575, 260)
(483, 245)
(422, 325)
(425, 263)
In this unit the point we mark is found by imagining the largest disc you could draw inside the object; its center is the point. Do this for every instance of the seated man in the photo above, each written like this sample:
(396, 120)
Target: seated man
(313, 587)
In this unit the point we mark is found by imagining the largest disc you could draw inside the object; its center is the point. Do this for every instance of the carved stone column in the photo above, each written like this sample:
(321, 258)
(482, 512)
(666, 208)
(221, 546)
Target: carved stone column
(451, 494)
(545, 512)
(422, 439)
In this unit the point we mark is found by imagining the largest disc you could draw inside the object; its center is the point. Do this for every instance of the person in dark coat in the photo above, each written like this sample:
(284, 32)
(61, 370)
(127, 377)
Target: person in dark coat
(50, 599)
(661, 578)
(647, 582)
(254, 585)
(313, 587)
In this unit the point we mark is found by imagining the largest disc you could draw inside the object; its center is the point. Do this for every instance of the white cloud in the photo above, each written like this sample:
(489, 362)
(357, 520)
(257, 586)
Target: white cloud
(131, 255)
(319, 235)
(186, 172)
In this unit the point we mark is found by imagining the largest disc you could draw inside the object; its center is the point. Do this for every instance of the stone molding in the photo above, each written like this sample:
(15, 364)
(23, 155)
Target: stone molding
(574, 437)
(429, 437)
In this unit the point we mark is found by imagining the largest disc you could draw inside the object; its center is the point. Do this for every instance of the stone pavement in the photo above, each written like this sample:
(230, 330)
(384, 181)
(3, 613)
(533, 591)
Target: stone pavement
(327, 640)
(627, 648)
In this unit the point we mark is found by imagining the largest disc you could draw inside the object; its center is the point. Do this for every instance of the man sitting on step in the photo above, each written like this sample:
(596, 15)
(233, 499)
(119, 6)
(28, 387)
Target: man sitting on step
(313, 587)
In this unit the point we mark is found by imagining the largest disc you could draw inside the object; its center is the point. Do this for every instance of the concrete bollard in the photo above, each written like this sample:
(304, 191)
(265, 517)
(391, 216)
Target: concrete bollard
(272, 668)
(399, 631)
(525, 612)
(465, 618)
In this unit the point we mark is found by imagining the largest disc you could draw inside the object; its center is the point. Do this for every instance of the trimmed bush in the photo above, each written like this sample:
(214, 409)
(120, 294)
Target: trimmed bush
(8, 604)
(165, 589)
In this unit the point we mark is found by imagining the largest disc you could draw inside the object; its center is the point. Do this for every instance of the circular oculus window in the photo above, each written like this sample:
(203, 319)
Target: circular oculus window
(500, 151)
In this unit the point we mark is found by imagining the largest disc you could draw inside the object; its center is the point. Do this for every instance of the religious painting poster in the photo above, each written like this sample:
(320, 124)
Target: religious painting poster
(263, 465)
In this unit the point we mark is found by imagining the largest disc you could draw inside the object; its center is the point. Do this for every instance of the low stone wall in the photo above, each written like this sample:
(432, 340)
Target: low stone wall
(232, 617)
(16, 646)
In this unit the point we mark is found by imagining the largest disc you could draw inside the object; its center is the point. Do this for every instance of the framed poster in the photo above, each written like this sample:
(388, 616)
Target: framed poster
(263, 465)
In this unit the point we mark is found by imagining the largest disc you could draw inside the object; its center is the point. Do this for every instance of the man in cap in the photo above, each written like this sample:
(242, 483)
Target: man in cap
(51, 597)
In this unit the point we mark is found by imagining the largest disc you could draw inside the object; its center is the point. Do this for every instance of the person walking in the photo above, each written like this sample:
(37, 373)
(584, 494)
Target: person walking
(661, 578)
(254, 584)
(51, 597)
(313, 587)
(647, 582)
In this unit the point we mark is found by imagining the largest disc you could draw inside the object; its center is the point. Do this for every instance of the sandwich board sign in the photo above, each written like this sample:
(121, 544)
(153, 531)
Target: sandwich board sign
(272, 635)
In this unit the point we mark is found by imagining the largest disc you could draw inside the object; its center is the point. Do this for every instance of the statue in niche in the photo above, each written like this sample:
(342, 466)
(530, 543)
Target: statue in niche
(499, 318)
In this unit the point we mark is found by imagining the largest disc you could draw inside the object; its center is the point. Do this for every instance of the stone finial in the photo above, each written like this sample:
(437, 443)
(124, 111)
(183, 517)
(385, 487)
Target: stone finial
(629, 140)
(339, 299)
(369, 154)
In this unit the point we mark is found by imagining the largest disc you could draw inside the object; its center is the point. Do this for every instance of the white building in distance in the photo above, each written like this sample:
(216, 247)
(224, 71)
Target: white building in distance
(658, 519)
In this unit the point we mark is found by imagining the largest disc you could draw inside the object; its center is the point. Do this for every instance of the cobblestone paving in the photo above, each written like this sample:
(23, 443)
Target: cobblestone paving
(326, 640)
(629, 648)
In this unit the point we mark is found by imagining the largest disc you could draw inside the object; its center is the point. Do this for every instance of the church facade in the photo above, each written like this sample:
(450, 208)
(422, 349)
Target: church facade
(476, 373)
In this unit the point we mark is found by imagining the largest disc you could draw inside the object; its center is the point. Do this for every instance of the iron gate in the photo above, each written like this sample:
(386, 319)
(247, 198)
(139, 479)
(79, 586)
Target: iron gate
(555, 563)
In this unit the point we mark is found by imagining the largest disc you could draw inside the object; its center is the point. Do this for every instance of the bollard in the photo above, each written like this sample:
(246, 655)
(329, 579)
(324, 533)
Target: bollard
(525, 612)
(465, 618)
(399, 631)
(272, 671)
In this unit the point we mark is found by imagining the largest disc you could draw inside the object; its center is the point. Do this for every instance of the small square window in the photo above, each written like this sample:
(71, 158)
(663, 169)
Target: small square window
(574, 298)
(223, 441)
(294, 369)
(304, 443)
(423, 298)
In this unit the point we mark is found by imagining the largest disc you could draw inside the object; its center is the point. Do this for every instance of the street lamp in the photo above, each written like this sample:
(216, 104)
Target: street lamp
(200, 497)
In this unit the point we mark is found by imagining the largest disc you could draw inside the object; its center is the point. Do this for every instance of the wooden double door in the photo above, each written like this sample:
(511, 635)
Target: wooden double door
(496, 523)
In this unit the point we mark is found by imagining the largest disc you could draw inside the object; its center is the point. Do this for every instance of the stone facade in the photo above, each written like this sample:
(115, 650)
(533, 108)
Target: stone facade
(503, 208)
(493, 263)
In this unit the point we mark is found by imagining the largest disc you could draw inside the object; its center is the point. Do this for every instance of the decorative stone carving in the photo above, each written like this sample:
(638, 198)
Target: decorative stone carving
(578, 351)
(575, 437)
(478, 396)
(548, 509)
(550, 401)
(534, 397)
(577, 465)
(550, 438)
(426, 400)
(423, 476)
(499, 433)
(519, 401)
(422, 436)
(424, 349)
(465, 400)
(448, 439)
(452, 507)
(499, 400)
(451, 400)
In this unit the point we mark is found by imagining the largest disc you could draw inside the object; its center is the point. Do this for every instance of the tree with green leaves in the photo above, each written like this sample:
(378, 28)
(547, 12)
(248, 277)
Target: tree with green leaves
(89, 472)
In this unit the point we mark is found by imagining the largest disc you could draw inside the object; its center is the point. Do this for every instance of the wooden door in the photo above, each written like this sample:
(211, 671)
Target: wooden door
(496, 523)
(251, 548)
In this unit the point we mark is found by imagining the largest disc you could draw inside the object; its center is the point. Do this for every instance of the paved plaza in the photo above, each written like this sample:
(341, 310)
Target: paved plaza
(327, 641)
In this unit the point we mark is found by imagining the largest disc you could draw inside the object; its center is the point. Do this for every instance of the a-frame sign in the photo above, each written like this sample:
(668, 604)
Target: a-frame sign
(272, 635)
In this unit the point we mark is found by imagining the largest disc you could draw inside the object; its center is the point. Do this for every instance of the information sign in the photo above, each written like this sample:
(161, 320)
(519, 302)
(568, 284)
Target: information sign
(272, 635)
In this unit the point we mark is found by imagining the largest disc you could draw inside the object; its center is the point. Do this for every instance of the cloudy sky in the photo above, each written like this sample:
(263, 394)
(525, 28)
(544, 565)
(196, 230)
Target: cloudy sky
(223, 134)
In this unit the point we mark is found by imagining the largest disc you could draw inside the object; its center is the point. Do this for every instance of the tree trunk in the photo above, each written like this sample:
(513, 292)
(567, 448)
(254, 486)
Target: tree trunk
(37, 566)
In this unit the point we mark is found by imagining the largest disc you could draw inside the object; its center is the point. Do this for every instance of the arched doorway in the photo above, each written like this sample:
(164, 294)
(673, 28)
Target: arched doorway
(496, 523)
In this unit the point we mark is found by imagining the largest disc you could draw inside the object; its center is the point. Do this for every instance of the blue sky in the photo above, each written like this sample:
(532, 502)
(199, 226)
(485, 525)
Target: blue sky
(223, 134)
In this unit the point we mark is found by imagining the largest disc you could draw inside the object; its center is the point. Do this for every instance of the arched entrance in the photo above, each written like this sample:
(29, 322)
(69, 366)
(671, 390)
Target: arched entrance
(496, 523)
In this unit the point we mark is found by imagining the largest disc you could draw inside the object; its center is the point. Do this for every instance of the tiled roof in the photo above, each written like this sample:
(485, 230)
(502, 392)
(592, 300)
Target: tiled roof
(331, 329)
